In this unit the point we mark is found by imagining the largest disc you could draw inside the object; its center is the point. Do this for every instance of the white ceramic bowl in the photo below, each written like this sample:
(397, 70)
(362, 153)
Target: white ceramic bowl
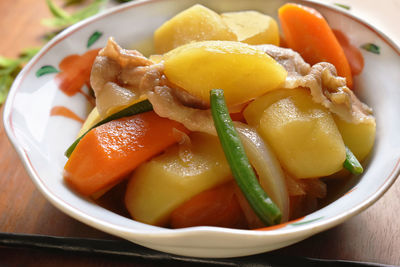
(41, 139)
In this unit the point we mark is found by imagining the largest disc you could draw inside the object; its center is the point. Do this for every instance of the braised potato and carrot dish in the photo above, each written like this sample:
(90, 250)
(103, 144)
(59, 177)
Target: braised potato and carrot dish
(230, 123)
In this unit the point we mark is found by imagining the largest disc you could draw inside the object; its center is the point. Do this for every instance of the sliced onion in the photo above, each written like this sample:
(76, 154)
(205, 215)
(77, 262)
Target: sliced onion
(271, 176)
(113, 98)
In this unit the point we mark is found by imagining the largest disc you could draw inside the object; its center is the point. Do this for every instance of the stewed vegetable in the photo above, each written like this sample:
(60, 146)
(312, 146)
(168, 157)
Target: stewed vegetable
(244, 175)
(232, 130)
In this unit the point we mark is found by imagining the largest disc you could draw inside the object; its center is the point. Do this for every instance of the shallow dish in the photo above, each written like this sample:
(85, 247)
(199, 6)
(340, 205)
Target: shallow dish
(40, 135)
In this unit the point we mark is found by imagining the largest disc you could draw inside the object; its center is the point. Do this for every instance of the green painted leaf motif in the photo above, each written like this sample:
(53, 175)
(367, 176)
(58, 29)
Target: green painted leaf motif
(306, 222)
(47, 69)
(93, 38)
(373, 48)
(343, 6)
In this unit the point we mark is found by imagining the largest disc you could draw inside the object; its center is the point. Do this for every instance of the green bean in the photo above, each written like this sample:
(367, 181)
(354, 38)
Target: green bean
(351, 163)
(242, 171)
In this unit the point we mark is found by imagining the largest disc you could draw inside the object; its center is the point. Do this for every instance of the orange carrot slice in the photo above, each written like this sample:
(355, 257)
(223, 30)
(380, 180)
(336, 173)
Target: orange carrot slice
(307, 32)
(214, 207)
(353, 53)
(109, 152)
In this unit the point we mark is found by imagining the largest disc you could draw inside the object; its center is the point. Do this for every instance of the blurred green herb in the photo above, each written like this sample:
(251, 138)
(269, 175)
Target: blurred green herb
(72, 2)
(9, 69)
(62, 19)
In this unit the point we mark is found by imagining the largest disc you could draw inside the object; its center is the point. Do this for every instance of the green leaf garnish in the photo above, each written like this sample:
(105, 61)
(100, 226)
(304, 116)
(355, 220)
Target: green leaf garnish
(28, 53)
(72, 2)
(7, 62)
(9, 69)
(343, 6)
(63, 19)
(93, 38)
(47, 69)
(5, 84)
(56, 11)
(373, 48)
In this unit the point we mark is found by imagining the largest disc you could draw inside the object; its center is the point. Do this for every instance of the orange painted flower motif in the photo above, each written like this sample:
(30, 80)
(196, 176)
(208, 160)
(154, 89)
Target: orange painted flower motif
(65, 112)
(75, 73)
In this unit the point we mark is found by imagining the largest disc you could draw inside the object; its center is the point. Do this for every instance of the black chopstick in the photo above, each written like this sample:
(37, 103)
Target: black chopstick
(128, 249)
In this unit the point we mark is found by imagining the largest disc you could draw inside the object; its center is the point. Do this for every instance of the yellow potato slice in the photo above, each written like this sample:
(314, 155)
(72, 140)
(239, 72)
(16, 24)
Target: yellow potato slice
(167, 181)
(304, 136)
(93, 118)
(358, 137)
(252, 27)
(242, 71)
(196, 23)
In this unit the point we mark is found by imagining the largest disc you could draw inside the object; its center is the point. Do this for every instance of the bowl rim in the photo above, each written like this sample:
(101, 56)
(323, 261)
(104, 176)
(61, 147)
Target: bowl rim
(314, 227)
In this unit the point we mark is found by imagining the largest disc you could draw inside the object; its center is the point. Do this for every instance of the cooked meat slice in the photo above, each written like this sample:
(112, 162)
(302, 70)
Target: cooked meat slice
(325, 86)
(289, 59)
(124, 57)
(331, 91)
(167, 105)
(120, 76)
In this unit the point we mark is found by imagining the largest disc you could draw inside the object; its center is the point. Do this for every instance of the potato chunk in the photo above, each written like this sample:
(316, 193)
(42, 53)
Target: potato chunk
(359, 137)
(196, 23)
(255, 109)
(252, 27)
(93, 118)
(242, 71)
(167, 181)
(303, 135)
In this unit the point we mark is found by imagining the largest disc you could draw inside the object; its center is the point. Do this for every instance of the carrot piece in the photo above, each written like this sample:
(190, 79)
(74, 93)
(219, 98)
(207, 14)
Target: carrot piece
(109, 152)
(238, 116)
(217, 206)
(353, 53)
(308, 33)
(251, 218)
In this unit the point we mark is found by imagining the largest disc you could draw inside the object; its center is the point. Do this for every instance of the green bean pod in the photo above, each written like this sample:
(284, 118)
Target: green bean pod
(351, 163)
(263, 206)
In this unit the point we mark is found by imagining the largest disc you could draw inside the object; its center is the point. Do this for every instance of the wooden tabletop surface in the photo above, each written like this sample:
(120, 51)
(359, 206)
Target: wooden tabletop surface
(372, 236)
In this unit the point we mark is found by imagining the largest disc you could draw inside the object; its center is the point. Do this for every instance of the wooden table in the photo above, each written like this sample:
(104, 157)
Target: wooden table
(373, 236)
